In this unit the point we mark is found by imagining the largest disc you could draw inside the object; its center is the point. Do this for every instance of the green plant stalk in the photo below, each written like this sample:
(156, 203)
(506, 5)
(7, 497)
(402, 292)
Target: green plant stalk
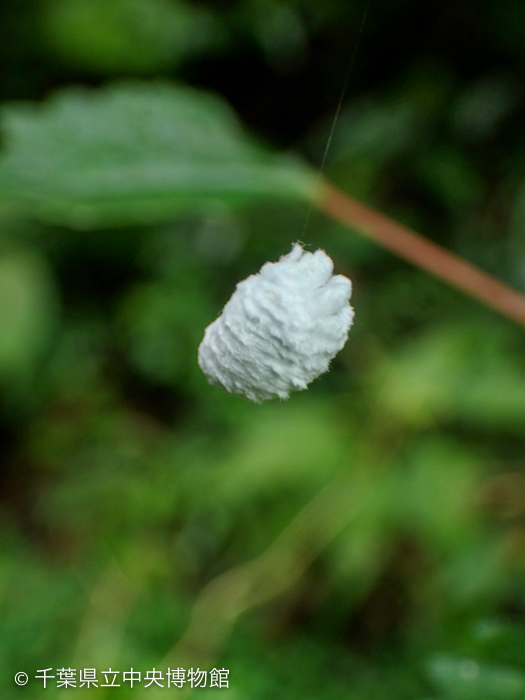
(222, 601)
(225, 598)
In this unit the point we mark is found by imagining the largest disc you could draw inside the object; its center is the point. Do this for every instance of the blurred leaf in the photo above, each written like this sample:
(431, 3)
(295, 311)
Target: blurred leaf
(377, 130)
(125, 35)
(114, 474)
(482, 106)
(500, 640)
(438, 494)
(296, 445)
(391, 125)
(478, 572)
(164, 324)
(451, 177)
(27, 314)
(457, 372)
(281, 33)
(361, 550)
(467, 679)
(135, 153)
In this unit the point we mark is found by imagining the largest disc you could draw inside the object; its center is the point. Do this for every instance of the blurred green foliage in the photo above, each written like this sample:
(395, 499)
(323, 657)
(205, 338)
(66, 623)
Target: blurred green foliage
(131, 202)
(140, 36)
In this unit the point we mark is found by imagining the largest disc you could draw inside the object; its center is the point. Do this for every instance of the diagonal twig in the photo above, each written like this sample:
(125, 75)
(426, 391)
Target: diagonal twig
(425, 254)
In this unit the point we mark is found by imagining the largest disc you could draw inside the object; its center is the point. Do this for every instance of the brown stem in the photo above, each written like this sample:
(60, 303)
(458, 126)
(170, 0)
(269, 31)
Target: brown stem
(421, 252)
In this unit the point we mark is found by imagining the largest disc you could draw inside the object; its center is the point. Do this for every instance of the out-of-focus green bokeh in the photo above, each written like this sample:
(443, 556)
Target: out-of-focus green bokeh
(132, 200)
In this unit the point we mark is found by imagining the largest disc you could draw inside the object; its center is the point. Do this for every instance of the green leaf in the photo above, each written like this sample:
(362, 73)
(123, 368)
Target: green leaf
(500, 640)
(135, 153)
(437, 494)
(467, 679)
(457, 372)
(295, 446)
(123, 36)
(28, 315)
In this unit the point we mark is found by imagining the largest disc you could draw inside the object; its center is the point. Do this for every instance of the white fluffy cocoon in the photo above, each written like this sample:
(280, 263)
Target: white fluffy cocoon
(280, 329)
